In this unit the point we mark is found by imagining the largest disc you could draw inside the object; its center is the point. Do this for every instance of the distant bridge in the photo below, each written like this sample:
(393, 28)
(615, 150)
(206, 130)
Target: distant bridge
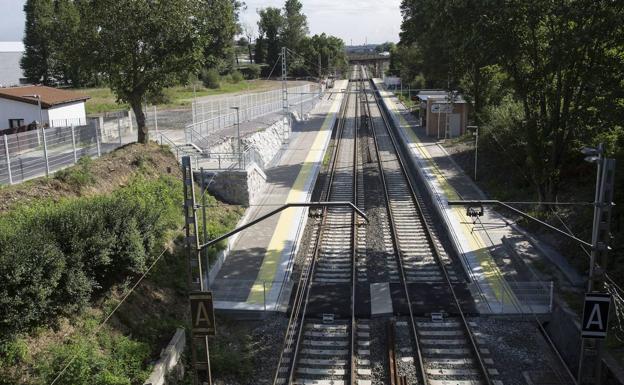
(367, 58)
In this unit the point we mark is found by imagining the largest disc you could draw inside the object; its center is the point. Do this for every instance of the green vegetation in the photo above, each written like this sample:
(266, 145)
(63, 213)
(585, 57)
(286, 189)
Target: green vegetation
(288, 27)
(103, 99)
(137, 48)
(79, 176)
(65, 263)
(219, 220)
(54, 258)
(544, 79)
(232, 357)
(554, 66)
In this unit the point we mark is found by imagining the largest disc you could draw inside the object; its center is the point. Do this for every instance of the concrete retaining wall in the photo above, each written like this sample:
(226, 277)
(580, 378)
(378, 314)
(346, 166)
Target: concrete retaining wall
(167, 365)
(267, 142)
(238, 187)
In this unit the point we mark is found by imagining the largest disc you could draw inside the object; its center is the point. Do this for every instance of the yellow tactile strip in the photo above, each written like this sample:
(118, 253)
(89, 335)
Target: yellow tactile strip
(287, 219)
(477, 246)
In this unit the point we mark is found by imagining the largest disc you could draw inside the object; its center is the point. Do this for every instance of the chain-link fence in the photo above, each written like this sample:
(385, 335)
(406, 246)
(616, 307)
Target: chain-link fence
(34, 153)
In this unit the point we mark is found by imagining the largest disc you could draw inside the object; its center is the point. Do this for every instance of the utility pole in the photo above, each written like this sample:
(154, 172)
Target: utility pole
(200, 352)
(603, 203)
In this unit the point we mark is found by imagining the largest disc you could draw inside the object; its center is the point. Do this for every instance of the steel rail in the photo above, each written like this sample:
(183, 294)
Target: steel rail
(429, 234)
(353, 361)
(303, 289)
(395, 243)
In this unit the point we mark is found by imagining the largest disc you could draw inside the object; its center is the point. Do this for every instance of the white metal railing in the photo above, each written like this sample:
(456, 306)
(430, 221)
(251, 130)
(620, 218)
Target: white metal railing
(214, 115)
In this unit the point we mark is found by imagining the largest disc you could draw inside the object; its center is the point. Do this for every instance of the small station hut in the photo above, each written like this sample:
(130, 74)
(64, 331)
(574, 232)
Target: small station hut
(443, 114)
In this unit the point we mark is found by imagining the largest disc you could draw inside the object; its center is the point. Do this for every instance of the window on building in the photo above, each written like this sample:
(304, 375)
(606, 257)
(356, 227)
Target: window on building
(16, 123)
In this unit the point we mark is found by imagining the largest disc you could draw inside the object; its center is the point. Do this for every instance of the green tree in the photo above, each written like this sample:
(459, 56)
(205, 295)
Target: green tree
(69, 41)
(219, 24)
(260, 50)
(269, 27)
(144, 46)
(295, 26)
(331, 50)
(561, 58)
(37, 59)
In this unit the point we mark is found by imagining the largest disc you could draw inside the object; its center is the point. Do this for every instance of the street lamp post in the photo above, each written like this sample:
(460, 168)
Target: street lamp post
(476, 135)
(237, 108)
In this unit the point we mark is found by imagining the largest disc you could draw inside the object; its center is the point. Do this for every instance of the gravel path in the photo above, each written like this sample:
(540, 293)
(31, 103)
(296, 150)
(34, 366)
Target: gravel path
(518, 349)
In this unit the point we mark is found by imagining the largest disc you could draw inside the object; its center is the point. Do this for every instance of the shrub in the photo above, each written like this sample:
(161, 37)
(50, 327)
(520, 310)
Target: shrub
(107, 360)
(237, 77)
(210, 78)
(54, 257)
(253, 71)
(165, 96)
(79, 175)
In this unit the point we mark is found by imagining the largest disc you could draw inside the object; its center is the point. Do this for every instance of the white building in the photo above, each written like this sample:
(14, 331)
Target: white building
(11, 53)
(21, 106)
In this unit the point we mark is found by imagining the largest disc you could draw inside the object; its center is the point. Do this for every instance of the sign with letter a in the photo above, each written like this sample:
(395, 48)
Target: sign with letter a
(202, 314)
(595, 315)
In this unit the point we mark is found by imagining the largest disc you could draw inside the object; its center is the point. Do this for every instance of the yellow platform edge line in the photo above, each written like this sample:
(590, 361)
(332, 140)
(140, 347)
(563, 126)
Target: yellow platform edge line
(266, 274)
(490, 270)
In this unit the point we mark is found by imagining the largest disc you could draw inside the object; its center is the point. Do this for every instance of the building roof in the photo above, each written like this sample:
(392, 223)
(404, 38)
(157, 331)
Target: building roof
(440, 96)
(11, 46)
(50, 96)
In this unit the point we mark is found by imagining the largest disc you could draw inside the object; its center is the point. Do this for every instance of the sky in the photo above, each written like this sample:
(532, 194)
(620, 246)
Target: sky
(356, 22)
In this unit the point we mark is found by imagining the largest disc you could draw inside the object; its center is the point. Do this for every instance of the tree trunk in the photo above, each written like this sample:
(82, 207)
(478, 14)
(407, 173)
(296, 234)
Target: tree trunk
(140, 120)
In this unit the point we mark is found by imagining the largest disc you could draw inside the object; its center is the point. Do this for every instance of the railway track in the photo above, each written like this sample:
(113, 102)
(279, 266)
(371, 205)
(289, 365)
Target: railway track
(334, 348)
(444, 351)
(325, 350)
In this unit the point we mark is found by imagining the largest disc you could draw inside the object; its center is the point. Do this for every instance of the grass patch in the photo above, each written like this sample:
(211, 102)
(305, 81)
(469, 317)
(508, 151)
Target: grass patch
(78, 176)
(103, 99)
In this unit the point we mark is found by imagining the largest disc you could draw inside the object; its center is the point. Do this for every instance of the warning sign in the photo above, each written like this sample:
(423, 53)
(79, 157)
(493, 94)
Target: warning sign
(202, 313)
(595, 315)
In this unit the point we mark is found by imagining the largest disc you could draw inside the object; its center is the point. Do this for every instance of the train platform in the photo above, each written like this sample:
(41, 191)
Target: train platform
(255, 274)
(480, 243)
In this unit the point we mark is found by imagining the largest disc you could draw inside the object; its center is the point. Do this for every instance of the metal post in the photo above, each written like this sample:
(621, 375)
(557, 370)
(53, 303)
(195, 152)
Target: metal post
(8, 159)
(476, 151)
(285, 91)
(195, 264)
(205, 233)
(155, 119)
(45, 151)
(119, 131)
(603, 202)
(73, 133)
(97, 140)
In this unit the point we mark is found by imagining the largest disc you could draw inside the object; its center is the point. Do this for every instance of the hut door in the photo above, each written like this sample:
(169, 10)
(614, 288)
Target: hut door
(454, 123)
